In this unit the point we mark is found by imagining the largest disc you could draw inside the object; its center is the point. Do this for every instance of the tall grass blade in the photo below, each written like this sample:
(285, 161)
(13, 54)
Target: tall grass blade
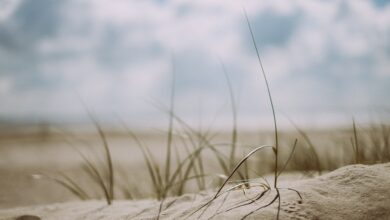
(170, 126)
(234, 115)
(269, 97)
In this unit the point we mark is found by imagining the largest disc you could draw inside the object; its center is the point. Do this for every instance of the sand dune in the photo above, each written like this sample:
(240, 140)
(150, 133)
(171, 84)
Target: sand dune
(351, 192)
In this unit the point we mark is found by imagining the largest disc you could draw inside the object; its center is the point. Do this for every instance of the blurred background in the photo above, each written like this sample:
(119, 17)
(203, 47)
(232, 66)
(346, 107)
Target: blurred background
(327, 61)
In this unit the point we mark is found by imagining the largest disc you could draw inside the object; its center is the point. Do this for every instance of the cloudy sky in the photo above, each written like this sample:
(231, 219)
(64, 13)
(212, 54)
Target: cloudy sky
(327, 61)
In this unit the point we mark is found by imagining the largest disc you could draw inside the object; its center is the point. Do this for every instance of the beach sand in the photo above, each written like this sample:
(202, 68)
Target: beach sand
(351, 192)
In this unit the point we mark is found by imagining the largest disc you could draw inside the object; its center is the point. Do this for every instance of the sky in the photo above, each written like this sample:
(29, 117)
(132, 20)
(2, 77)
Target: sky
(326, 61)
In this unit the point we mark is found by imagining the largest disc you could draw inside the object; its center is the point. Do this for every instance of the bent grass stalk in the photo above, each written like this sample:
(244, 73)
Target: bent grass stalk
(265, 185)
(238, 166)
(92, 170)
(219, 191)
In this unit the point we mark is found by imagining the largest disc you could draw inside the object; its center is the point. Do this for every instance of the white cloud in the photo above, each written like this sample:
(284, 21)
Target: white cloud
(7, 7)
(115, 53)
(5, 85)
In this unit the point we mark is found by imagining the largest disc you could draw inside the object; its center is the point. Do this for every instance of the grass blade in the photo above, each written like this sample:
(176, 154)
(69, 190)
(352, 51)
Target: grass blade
(170, 126)
(74, 190)
(356, 145)
(289, 157)
(234, 115)
(239, 165)
(269, 97)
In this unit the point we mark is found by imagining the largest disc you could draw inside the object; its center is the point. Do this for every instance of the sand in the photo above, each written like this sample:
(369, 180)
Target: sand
(351, 192)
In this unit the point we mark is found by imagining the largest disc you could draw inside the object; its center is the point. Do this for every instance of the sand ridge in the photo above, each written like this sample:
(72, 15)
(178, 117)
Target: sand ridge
(351, 192)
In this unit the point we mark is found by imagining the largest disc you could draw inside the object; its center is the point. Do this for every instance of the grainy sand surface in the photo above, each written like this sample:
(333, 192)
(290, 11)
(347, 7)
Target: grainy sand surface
(351, 192)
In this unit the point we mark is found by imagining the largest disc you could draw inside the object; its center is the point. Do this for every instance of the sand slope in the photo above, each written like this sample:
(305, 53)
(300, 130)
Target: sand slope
(351, 192)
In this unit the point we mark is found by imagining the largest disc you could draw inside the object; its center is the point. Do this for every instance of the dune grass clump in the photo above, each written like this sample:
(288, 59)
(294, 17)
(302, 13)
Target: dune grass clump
(275, 148)
(370, 144)
(169, 181)
(103, 177)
